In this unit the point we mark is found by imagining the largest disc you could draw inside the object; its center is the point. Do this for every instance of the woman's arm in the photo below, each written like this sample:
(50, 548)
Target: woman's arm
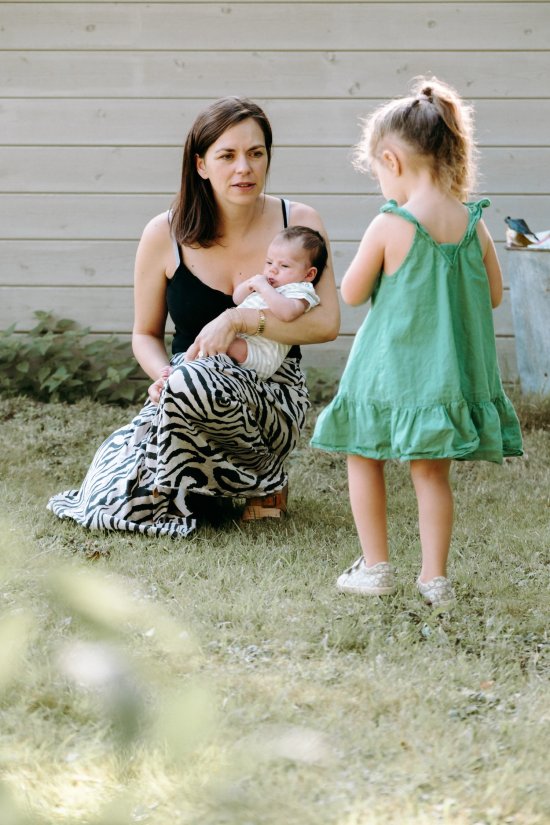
(154, 258)
(323, 322)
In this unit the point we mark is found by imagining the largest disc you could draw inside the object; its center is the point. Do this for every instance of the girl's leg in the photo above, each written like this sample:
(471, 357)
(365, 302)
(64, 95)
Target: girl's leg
(367, 492)
(435, 514)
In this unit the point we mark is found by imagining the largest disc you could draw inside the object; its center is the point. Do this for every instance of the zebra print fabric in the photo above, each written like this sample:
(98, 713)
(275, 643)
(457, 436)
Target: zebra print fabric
(217, 431)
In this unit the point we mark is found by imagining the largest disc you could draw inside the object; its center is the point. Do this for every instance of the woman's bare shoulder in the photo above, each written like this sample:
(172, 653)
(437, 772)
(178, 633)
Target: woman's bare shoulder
(303, 215)
(155, 252)
(158, 228)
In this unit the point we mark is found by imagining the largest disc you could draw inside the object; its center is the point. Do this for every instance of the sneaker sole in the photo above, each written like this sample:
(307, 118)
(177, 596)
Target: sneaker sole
(364, 591)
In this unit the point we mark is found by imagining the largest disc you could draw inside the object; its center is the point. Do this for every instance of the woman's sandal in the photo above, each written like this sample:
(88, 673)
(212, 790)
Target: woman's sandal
(272, 506)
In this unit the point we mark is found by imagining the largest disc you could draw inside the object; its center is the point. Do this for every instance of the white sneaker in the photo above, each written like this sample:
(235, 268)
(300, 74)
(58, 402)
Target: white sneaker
(438, 592)
(378, 580)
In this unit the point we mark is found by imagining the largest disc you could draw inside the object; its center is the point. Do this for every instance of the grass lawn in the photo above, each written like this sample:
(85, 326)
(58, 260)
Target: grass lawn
(222, 679)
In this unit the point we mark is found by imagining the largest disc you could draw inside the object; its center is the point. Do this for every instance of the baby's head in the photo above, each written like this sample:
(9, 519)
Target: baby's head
(433, 126)
(295, 254)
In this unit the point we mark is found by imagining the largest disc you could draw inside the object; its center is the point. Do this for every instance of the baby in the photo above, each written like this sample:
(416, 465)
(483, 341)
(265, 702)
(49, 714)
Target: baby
(295, 261)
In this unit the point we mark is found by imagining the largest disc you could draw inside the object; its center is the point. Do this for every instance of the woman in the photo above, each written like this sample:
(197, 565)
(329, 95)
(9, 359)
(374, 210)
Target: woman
(210, 427)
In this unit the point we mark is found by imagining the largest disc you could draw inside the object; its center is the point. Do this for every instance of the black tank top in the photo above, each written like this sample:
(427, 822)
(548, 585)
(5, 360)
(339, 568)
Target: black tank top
(192, 304)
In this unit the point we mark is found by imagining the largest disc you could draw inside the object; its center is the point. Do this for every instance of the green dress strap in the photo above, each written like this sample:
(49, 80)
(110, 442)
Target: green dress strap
(391, 206)
(475, 209)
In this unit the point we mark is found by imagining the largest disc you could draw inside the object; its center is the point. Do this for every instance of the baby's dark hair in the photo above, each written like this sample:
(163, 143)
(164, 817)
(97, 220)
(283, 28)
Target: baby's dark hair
(436, 124)
(312, 241)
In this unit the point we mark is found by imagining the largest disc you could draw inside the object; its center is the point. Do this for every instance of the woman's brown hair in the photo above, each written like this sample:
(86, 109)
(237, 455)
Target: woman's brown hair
(194, 213)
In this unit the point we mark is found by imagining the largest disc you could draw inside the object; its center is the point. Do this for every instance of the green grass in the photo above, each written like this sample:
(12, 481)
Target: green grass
(222, 679)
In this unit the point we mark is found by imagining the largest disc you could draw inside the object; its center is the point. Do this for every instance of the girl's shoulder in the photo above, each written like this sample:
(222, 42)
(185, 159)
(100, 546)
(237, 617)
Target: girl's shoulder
(390, 226)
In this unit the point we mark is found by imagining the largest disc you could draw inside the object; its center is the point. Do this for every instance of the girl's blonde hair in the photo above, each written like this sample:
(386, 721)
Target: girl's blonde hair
(437, 125)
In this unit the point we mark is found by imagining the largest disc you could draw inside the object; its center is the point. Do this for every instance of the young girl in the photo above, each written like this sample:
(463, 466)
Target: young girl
(422, 382)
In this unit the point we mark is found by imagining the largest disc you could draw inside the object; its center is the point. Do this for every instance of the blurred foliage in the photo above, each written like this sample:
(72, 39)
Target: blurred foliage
(109, 710)
(57, 361)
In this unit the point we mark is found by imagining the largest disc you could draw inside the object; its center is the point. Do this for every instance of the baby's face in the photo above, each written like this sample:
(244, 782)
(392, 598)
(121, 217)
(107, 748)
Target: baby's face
(287, 262)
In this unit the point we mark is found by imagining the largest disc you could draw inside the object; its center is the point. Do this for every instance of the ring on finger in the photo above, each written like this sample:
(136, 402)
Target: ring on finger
(201, 353)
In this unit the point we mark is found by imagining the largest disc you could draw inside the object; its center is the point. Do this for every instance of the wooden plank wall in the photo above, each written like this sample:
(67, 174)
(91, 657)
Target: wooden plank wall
(96, 98)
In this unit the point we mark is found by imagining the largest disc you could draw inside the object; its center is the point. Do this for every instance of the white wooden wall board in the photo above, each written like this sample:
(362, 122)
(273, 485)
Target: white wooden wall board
(295, 121)
(122, 217)
(127, 74)
(92, 263)
(209, 27)
(67, 263)
(308, 170)
(104, 263)
(110, 309)
(268, 73)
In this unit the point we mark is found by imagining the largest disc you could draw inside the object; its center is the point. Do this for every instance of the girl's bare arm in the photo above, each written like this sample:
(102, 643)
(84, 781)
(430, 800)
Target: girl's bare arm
(492, 266)
(364, 270)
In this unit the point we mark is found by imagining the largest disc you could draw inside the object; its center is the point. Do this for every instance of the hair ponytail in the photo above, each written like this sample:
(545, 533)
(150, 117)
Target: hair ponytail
(438, 126)
(456, 152)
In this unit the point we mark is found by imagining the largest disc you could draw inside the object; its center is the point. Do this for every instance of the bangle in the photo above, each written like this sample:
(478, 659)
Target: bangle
(237, 320)
(261, 323)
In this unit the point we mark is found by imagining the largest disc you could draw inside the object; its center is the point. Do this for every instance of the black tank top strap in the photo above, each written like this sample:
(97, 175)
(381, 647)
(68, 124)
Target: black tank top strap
(177, 247)
(285, 203)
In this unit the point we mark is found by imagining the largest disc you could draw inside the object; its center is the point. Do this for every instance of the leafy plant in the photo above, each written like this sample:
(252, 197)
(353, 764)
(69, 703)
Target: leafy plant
(57, 361)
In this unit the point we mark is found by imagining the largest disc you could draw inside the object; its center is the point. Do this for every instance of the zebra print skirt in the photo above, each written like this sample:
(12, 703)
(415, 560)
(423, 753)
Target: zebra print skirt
(217, 431)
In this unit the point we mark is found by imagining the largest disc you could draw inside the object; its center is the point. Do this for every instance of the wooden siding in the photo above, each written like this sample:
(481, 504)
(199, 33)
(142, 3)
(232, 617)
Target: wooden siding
(96, 98)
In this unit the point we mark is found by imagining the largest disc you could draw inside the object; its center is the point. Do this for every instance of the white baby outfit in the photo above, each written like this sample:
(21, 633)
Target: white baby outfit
(264, 355)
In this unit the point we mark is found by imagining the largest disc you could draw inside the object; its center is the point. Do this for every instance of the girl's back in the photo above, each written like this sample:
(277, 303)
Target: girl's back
(444, 218)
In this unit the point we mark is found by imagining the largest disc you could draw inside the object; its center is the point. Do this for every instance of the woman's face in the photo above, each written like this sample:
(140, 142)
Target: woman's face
(236, 163)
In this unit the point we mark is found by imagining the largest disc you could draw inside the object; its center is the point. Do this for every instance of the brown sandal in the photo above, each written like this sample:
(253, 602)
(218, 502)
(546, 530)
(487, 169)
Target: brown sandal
(272, 506)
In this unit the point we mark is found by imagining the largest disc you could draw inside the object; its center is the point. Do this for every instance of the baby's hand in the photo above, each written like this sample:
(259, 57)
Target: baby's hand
(155, 389)
(257, 282)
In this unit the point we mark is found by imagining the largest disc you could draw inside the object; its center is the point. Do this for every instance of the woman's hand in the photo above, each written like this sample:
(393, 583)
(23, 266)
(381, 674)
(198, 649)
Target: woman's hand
(216, 336)
(156, 388)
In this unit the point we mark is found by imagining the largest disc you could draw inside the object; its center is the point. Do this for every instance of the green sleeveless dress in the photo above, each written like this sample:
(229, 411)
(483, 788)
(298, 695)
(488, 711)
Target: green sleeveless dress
(422, 379)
